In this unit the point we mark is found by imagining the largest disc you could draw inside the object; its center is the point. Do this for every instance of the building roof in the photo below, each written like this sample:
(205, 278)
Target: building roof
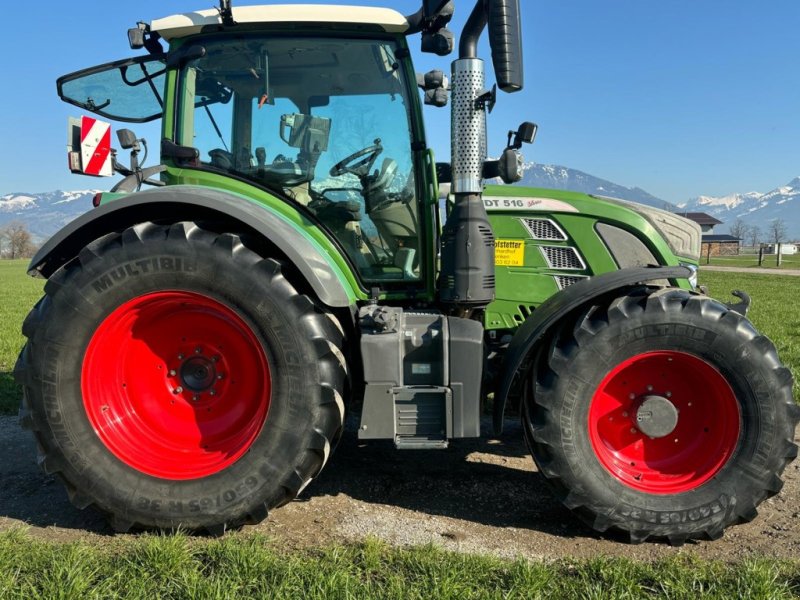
(700, 218)
(720, 238)
(192, 23)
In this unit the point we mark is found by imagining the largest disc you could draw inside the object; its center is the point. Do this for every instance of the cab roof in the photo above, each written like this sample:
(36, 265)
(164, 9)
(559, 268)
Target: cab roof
(185, 24)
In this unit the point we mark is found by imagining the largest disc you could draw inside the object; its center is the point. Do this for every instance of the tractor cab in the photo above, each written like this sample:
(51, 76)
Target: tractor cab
(324, 120)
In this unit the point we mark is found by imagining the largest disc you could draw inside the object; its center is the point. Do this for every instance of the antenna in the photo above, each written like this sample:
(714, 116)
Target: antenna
(226, 13)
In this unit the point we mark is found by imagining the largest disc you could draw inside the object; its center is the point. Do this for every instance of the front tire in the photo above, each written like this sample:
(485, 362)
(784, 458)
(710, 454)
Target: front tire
(661, 414)
(174, 377)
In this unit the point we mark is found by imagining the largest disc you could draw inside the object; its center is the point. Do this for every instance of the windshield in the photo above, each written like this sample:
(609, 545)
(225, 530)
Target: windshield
(324, 122)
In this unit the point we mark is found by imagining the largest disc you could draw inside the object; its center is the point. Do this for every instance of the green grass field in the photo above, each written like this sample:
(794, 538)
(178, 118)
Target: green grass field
(18, 293)
(249, 566)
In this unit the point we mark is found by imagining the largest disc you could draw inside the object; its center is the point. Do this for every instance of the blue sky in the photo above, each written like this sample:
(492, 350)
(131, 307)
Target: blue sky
(680, 97)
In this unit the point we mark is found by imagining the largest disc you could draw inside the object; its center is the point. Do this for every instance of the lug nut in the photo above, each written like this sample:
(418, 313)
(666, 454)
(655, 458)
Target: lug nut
(219, 377)
(668, 394)
(172, 373)
(195, 397)
(179, 390)
(212, 393)
(215, 358)
(180, 356)
(198, 350)
(632, 396)
(649, 388)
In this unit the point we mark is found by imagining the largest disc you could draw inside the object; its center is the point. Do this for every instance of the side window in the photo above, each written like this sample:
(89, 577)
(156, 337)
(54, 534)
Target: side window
(323, 122)
(374, 128)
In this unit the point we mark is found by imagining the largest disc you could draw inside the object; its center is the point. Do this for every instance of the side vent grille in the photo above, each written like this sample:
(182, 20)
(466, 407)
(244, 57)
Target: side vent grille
(524, 313)
(564, 281)
(544, 229)
(488, 236)
(562, 257)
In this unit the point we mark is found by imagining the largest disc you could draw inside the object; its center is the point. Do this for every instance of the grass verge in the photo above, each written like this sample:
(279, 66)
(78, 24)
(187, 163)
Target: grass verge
(18, 293)
(250, 566)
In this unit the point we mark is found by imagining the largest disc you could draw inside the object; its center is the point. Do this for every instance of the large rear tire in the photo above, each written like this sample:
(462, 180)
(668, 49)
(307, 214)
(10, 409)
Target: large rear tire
(175, 378)
(662, 414)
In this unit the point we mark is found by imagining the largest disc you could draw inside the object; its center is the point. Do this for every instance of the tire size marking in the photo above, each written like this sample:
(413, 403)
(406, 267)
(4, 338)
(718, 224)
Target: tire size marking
(138, 267)
(666, 329)
(673, 517)
(226, 497)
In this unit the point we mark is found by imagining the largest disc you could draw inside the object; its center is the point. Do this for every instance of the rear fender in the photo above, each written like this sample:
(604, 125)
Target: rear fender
(550, 313)
(192, 203)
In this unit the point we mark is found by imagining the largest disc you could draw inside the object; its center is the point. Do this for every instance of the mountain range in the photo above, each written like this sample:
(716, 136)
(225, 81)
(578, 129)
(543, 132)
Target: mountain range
(45, 213)
(563, 178)
(754, 208)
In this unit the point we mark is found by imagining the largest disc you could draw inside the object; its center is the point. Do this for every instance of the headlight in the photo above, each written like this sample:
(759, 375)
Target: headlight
(682, 235)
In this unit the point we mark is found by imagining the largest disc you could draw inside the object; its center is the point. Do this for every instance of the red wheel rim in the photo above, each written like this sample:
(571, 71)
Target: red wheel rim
(706, 422)
(176, 385)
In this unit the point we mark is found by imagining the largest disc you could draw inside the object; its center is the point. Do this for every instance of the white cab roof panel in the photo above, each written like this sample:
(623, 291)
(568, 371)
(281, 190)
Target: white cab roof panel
(191, 23)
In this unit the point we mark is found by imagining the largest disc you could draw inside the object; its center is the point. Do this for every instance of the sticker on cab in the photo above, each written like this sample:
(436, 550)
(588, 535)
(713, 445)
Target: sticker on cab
(509, 253)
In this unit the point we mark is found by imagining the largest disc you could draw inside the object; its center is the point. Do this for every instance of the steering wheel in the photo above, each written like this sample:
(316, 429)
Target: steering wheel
(359, 163)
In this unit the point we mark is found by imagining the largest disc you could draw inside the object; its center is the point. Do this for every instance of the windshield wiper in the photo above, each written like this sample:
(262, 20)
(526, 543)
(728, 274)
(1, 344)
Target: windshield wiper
(216, 127)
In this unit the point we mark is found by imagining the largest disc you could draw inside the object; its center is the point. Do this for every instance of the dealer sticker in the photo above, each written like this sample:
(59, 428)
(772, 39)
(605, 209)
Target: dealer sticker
(509, 253)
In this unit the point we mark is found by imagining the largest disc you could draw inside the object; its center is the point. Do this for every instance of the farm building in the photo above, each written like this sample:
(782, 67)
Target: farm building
(713, 244)
(706, 221)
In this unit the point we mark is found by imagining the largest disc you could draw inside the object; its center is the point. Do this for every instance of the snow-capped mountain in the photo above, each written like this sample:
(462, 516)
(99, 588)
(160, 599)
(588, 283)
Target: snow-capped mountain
(44, 213)
(754, 208)
(564, 178)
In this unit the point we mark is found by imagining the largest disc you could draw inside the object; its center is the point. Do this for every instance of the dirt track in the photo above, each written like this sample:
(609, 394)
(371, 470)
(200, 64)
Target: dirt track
(479, 496)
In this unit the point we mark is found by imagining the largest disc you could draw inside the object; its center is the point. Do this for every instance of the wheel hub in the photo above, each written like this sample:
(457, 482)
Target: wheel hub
(656, 416)
(198, 374)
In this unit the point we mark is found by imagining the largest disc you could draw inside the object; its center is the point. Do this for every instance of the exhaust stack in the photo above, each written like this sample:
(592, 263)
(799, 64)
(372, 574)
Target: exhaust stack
(467, 278)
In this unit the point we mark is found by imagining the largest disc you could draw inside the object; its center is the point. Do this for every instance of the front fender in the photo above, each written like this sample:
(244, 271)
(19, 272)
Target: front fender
(192, 203)
(535, 328)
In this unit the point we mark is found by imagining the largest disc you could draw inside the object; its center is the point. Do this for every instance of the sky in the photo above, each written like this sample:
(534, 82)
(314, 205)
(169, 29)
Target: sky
(678, 97)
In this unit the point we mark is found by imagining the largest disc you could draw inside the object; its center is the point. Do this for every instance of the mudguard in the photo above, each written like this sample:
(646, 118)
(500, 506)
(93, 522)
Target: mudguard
(554, 308)
(194, 202)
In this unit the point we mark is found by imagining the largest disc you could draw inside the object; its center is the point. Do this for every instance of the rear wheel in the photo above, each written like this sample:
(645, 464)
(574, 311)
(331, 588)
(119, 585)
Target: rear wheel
(173, 377)
(661, 414)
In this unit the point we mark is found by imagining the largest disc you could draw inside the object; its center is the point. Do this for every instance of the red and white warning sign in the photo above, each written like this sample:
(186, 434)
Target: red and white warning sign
(95, 147)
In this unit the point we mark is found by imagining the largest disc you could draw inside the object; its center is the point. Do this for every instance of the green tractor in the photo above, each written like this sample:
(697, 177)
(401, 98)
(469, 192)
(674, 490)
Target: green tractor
(200, 343)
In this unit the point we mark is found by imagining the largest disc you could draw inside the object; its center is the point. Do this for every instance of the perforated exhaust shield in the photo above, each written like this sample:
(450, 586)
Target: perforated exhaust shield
(468, 144)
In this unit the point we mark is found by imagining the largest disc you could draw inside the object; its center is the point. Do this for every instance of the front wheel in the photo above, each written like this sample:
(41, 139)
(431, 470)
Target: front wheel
(174, 377)
(661, 414)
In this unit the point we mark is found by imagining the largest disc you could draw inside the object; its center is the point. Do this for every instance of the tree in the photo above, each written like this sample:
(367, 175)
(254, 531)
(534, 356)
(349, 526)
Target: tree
(18, 240)
(739, 229)
(755, 235)
(777, 231)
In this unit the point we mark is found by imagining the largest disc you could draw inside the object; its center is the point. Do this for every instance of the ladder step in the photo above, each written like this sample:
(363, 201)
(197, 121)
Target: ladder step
(419, 443)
